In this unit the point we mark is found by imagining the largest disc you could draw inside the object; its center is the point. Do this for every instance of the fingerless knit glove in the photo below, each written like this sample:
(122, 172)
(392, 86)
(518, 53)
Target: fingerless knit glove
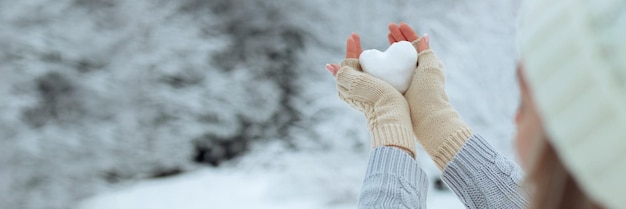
(386, 110)
(436, 124)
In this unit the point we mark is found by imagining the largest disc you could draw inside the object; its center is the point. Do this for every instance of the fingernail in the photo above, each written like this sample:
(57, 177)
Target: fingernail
(329, 68)
(426, 38)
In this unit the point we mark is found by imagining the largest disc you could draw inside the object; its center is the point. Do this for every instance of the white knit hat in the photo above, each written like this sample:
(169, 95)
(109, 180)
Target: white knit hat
(574, 54)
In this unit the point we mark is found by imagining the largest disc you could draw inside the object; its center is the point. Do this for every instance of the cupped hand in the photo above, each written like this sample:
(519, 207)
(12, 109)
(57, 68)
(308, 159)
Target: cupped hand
(385, 109)
(438, 127)
(404, 32)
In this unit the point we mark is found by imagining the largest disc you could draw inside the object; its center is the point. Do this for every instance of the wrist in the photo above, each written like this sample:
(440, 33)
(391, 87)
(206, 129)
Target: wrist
(442, 137)
(410, 152)
(450, 147)
(394, 135)
(390, 125)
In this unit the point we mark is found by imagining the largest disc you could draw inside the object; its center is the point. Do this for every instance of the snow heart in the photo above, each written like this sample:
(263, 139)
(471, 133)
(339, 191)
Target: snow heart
(394, 66)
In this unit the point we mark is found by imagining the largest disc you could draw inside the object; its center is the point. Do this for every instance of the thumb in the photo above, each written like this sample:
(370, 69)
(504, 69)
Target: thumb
(423, 43)
(332, 68)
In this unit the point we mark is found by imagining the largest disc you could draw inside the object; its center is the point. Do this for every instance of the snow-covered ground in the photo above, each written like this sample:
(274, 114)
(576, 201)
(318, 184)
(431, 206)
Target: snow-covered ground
(233, 188)
(98, 94)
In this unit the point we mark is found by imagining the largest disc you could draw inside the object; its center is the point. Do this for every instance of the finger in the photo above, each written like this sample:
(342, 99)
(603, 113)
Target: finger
(332, 68)
(351, 51)
(335, 69)
(391, 39)
(424, 43)
(395, 32)
(357, 39)
(408, 32)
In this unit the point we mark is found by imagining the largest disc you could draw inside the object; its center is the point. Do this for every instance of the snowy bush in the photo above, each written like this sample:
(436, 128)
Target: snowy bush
(104, 90)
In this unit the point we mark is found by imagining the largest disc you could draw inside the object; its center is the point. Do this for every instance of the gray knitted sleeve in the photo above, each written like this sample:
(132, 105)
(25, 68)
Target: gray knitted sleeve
(482, 178)
(393, 180)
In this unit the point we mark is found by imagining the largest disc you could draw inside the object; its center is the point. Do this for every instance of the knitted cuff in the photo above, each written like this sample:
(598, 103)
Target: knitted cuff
(351, 62)
(394, 135)
(478, 172)
(416, 43)
(428, 58)
(451, 146)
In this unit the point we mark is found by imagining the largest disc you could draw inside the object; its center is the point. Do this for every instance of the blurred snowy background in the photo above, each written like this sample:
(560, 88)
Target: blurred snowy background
(219, 103)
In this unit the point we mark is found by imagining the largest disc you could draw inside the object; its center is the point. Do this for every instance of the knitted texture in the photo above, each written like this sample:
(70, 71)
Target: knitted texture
(575, 63)
(477, 174)
(482, 178)
(436, 123)
(393, 180)
(387, 112)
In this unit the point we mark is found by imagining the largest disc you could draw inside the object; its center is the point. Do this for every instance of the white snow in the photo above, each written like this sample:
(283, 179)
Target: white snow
(303, 180)
(210, 188)
(395, 65)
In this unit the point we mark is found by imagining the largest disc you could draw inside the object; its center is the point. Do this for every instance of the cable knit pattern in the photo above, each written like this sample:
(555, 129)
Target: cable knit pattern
(393, 180)
(386, 110)
(436, 123)
(477, 174)
(482, 178)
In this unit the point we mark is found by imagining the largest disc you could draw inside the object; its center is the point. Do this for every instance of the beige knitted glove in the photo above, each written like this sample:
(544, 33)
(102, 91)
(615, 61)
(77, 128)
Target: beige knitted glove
(387, 112)
(436, 123)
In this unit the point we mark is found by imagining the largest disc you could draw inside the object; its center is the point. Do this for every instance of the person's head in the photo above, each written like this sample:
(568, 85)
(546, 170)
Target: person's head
(572, 119)
(550, 183)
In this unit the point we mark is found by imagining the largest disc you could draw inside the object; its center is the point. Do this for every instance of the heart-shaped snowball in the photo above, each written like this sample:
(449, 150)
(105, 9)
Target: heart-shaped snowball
(394, 66)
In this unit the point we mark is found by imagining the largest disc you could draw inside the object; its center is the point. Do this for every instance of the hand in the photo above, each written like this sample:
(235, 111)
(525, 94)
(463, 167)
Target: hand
(386, 110)
(404, 32)
(436, 123)
(353, 51)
